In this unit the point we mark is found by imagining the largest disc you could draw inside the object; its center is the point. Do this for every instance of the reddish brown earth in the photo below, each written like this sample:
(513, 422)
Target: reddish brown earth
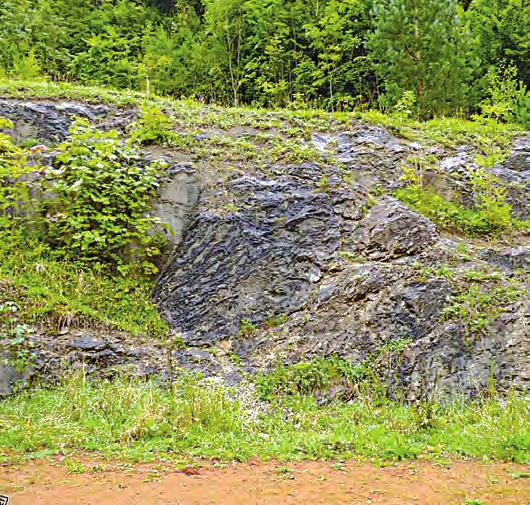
(44, 483)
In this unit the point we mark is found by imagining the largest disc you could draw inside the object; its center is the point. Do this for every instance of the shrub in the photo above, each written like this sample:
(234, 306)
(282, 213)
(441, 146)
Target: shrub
(491, 215)
(100, 215)
(152, 127)
(446, 214)
(491, 199)
(308, 377)
(508, 98)
(477, 308)
(14, 190)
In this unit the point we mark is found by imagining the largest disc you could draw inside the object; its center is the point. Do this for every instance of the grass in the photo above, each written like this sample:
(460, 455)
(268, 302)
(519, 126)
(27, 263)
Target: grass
(450, 215)
(140, 421)
(492, 138)
(54, 294)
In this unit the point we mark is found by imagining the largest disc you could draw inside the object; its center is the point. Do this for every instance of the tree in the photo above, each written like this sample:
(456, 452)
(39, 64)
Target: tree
(421, 46)
(225, 27)
(343, 73)
(502, 30)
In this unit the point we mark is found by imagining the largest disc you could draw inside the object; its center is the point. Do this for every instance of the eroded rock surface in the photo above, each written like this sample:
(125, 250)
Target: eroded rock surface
(278, 263)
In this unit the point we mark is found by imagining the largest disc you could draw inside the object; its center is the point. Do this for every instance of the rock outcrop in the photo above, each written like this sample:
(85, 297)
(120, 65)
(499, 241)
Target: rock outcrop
(285, 262)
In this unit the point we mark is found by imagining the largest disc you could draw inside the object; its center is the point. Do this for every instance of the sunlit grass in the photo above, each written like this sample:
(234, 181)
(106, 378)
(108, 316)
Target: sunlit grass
(142, 421)
(52, 294)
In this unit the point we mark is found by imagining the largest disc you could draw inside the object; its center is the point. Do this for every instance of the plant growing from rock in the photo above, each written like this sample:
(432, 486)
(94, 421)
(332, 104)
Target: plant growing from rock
(100, 216)
(491, 214)
(14, 337)
(152, 127)
(477, 307)
(14, 188)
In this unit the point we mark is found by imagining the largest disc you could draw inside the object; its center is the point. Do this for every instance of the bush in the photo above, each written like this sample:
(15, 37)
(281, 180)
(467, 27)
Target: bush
(309, 377)
(100, 215)
(508, 98)
(97, 204)
(14, 189)
(153, 127)
(446, 214)
(491, 215)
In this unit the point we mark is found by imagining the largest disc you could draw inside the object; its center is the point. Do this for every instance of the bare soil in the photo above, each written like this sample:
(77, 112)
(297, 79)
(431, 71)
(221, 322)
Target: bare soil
(309, 483)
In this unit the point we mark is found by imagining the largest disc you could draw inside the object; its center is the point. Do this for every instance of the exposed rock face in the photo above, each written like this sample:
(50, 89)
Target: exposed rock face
(178, 198)
(391, 230)
(345, 271)
(262, 260)
(44, 122)
(48, 121)
(306, 261)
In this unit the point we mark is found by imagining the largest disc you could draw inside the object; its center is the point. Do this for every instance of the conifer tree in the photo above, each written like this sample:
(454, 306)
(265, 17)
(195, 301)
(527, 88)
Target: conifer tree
(420, 46)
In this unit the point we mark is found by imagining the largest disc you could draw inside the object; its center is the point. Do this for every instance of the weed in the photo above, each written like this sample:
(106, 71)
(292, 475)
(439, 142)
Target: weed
(283, 470)
(323, 183)
(440, 272)
(133, 420)
(15, 336)
(152, 127)
(351, 257)
(247, 328)
(74, 467)
(491, 215)
(477, 308)
(55, 294)
(235, 359)
(446, 214)
(306, 378)
(275, 321)
(516, 474)
(481, 276)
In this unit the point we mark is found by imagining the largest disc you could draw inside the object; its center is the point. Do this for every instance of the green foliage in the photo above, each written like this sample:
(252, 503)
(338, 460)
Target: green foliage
(143, 421)
(101, 214)
(334, 54)
(56, 294)
(509, 99)
(14, 188)
(15, 336)
(247, 328)
(309, 377)
(500, 31)
(491, 199)
(27, 68)
(64, 285)
(420, 47)
(275, 321)
(446, 214)
(152, 127)
(491, 215)
(322, 375)
(477, 307)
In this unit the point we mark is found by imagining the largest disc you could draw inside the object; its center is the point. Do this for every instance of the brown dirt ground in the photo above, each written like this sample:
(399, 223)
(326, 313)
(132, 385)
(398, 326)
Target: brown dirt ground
(309, 483)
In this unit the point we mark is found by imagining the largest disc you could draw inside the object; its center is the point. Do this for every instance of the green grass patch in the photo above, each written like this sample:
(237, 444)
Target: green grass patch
(493, 220)
(141, 421)
(55, 294)
(445, 213)
(490, 137)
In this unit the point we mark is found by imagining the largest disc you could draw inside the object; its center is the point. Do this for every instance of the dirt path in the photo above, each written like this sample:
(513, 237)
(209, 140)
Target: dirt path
(266, 484)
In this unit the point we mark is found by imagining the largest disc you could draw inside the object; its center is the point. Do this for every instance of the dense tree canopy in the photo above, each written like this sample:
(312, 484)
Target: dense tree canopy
(338, 54)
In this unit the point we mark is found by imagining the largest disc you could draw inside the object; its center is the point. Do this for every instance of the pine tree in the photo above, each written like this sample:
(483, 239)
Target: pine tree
(420, 46)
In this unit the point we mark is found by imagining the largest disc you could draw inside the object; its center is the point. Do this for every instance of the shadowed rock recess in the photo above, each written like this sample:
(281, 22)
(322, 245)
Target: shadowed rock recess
(279, 263)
